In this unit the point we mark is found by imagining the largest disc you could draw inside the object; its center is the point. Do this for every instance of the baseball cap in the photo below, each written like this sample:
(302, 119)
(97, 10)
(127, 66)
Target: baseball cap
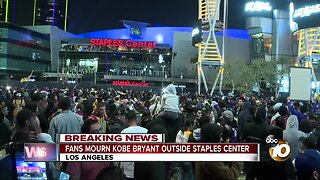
(228, 114)
(307, 162)
(18, 94)
(44, 137)
(93, 117)
(242, 98)
(309, 142)
(277, 106)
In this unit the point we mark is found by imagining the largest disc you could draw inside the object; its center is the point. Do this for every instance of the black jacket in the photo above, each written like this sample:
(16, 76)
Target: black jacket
(267, 168)
(171, 127)
(257, 131)
(150, 170)
(244, 117)
(5, 131)
(44, 122)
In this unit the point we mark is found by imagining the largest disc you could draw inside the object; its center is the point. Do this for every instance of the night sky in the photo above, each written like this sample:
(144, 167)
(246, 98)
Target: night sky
(86, 16)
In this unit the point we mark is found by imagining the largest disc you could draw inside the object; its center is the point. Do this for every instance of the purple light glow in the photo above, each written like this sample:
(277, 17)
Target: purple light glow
(53, 13)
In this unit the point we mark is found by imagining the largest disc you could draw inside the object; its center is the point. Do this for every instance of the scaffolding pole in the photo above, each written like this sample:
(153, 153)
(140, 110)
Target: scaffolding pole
(215, 82)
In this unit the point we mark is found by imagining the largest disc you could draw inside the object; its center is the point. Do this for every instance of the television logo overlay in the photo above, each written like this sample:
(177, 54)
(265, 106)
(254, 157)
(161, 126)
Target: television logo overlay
(279, 149)
(40, 152)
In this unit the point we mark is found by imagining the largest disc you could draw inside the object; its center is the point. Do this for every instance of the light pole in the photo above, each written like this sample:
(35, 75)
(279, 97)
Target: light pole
(162, 74)
(163, 66)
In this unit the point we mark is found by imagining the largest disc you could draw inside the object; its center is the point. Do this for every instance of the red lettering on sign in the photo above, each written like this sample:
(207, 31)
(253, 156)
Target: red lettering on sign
(119, 42)
(130, 83)
(92, 42)
(128, 43)
(135, 44)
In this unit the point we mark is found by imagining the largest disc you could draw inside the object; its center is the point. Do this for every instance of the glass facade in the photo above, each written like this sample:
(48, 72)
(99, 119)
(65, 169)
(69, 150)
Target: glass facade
(23, 50)
(28, 53)
(25, 36)
(116, 61)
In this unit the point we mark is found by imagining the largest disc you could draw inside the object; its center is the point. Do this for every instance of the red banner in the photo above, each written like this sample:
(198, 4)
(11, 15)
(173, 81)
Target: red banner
(159, 148)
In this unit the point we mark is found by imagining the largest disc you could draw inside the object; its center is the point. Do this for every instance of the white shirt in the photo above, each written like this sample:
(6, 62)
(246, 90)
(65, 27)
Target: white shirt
(128, 167)
(134, 130)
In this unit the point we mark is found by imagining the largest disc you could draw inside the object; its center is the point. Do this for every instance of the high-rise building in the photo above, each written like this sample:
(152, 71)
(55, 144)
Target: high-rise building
(51, 12)
(35, 12)
(2, 10)
(18, 12)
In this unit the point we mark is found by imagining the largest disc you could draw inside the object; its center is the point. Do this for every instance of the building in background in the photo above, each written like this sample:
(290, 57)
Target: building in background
(51, 12)
(19, 12)
(35, 12)
(156, 55)
(137, 55)
(3, 10)
(268, 24)
(307, 37)
(22, 51)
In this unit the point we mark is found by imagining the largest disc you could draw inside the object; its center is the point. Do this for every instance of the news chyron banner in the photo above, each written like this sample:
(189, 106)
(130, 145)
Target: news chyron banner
(142, 147)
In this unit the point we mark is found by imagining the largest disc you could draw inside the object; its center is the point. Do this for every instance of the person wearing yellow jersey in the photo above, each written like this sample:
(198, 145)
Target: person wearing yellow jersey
(185, 131)
(18, 104)
(100, 113)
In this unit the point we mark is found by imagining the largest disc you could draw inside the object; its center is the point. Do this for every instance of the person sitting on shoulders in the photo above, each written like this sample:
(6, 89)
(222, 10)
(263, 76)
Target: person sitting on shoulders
(169, 103)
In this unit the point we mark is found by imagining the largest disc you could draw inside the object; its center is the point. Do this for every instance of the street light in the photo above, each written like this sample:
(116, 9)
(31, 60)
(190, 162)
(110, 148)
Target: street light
(162, 74)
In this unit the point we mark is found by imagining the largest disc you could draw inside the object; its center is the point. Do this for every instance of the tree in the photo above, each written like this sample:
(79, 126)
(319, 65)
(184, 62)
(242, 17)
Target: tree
(235, 76)
(244, 77)
(262, 71)
(283, 65)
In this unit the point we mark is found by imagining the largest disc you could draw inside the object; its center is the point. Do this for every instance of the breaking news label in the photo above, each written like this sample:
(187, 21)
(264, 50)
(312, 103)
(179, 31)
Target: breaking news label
(145, 147)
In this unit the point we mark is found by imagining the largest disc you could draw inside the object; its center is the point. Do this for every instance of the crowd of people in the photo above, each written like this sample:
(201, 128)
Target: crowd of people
(40, 115)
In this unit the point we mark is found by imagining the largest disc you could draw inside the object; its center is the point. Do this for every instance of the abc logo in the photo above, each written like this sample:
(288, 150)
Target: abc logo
(281, 151)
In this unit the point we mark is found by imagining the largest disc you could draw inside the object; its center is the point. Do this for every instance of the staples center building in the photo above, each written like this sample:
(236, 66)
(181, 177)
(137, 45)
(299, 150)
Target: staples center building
(139, 55)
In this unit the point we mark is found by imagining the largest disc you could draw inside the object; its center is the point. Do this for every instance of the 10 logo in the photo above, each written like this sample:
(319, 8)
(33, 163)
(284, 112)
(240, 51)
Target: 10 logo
(281, 151)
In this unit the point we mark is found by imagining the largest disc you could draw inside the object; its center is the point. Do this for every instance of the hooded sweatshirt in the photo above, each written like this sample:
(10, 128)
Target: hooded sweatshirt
(257, 131)
(291, 134)
(244, 117)
(170, 100)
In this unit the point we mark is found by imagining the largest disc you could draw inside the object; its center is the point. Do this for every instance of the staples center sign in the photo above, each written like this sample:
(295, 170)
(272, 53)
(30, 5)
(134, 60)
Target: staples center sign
(130, 83)
(120, 42)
